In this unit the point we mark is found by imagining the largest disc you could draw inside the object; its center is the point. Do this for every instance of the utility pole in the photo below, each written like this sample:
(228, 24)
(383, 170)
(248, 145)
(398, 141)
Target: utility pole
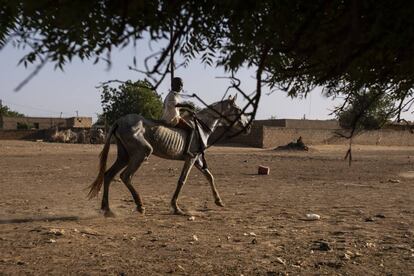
(77, 113)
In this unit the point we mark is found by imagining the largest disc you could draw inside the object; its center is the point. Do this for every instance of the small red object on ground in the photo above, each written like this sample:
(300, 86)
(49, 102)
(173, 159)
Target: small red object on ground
(263, 170)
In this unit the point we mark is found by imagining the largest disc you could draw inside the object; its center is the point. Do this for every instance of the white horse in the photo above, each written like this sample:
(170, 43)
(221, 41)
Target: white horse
(137, 138)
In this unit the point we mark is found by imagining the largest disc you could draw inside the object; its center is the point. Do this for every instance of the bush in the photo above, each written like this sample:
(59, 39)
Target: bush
(366, 113)
(131, 97)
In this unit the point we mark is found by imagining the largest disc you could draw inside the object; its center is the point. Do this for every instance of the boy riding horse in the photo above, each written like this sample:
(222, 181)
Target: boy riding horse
(171, 112)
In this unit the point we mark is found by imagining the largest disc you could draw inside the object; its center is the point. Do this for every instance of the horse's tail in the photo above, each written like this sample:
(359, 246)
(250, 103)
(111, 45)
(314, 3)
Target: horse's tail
(95, 187)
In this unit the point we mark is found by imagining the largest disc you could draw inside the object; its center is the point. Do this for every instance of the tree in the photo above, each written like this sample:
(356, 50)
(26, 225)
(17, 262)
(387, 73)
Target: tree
(130, 97)
(5, 111)
(366, 113)
(341, 45)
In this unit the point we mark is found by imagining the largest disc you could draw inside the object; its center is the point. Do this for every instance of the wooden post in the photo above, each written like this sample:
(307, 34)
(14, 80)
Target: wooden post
(1, 114)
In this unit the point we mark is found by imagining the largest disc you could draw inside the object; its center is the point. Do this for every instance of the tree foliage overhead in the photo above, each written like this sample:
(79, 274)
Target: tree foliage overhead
(130, 97)
(342, 45)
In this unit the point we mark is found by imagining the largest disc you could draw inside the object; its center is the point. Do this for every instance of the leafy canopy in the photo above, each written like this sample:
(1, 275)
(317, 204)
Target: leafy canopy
(341, 45)
(130, 97)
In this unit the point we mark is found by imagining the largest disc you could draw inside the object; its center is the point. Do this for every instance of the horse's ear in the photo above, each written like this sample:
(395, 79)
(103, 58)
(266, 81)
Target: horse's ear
(232, 98)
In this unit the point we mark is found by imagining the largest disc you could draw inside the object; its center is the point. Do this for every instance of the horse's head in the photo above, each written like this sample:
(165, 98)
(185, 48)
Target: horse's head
(231, 112)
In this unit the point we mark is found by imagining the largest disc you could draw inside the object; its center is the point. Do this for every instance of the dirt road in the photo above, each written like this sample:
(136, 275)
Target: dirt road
(47, 226)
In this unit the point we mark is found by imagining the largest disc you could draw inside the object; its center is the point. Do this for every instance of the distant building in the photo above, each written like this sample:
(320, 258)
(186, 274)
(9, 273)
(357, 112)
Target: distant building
(79, 122)
(44, 122)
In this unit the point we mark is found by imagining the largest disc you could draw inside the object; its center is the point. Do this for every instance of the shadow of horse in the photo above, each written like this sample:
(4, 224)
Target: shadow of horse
(42, 218)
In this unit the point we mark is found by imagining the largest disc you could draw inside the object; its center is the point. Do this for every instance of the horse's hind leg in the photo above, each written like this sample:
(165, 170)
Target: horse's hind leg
(139, 152)
(206, 172)
(120, 163)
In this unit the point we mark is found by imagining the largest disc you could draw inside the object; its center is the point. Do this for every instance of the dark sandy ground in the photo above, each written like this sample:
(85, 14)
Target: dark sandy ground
(47, 226)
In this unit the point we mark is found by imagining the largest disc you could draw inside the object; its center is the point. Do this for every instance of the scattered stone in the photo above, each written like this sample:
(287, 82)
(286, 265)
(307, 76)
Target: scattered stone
(89, 231)
(192, 218)
(254, 241)
(311, 217)
(370, 245)
(369, 219)
(195, 237)
(394, 180)
(322, 246)
(280, 260)
(298, 264)
(380, 215)
(346, 256)
(262, 170)
(252, 234)
(20, 263)
(56, 232)
(51, 241)
(180, 267)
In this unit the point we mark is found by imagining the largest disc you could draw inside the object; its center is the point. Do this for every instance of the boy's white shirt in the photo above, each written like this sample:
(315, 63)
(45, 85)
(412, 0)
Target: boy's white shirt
(171, 113)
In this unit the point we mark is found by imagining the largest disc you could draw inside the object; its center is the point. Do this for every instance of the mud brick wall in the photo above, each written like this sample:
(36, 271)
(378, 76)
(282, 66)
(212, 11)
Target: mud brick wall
(296, 123)
(386, 137)
(273, 137)
(276, 136)
(79, 122)
(254, 139)
(11, 134)
(43, 123)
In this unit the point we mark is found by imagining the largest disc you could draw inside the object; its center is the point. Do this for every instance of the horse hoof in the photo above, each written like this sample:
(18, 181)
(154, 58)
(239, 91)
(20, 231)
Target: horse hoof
(219, 203)
(141, 209)
(109, 214)
(179, 212)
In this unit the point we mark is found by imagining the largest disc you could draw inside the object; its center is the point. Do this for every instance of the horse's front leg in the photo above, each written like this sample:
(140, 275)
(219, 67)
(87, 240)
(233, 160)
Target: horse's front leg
(189, 162)
(202, 166)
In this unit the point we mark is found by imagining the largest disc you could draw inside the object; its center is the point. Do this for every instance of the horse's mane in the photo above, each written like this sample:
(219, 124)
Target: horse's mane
(210, 107)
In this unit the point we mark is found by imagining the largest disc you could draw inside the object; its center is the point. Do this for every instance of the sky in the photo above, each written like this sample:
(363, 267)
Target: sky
(53, 93)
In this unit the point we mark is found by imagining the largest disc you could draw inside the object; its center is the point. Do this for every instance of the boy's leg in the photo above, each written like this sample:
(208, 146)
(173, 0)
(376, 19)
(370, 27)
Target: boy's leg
(185, 125)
